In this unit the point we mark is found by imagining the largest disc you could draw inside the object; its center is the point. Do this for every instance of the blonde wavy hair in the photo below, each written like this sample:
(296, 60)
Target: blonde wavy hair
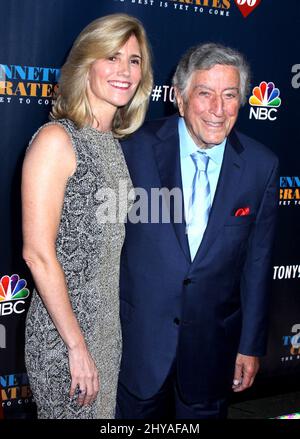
(103, 38)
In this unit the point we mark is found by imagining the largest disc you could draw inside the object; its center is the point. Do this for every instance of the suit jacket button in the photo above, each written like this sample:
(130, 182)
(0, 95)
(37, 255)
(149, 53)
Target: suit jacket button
(187, 281)
(176, 321)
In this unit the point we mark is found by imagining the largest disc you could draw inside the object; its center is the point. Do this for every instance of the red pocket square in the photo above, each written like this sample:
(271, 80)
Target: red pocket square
(242, 211)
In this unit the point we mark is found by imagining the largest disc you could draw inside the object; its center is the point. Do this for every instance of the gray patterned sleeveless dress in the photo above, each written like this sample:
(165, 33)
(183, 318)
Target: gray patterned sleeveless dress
(89, 252)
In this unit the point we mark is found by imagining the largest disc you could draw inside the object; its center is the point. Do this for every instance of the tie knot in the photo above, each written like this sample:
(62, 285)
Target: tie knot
(200, 159)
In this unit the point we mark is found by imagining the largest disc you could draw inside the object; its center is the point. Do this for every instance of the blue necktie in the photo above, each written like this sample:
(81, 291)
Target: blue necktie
(200, 202)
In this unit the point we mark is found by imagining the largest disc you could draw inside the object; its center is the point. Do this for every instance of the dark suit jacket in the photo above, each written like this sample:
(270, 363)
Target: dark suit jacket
(200, 313)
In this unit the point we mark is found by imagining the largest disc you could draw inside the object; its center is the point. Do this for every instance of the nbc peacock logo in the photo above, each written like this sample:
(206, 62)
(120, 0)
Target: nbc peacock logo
(266, 95)
(265, 99)
(13, 291)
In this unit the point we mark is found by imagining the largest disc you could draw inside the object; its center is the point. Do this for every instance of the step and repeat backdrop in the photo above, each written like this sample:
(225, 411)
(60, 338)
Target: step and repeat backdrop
(35, 37)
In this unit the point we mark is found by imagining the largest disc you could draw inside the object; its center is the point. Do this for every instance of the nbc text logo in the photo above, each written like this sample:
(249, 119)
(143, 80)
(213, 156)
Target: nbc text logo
(264, 101)
(12, 295)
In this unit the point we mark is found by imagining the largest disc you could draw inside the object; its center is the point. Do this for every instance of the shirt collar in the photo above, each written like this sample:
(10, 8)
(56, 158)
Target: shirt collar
(188, 146)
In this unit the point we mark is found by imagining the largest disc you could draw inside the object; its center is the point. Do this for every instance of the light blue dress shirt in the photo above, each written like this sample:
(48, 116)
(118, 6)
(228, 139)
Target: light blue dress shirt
(187, 147)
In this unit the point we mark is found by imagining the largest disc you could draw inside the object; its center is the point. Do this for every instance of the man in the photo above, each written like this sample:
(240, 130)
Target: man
(194, 293)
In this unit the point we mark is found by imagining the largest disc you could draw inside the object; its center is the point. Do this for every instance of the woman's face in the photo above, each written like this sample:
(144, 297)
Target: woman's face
(112, 82)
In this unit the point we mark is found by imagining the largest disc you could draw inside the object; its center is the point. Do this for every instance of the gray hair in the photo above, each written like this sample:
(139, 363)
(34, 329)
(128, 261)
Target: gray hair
(204, 57)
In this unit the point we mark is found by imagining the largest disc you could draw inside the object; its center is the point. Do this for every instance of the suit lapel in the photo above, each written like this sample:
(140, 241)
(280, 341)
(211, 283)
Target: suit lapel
(167, 155)
(231, 172)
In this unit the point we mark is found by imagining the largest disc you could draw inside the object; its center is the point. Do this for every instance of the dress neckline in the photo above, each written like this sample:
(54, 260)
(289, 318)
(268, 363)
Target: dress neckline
(91, 129)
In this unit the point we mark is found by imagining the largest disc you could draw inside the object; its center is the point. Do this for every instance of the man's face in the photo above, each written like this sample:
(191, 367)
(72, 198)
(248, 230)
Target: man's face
(211, 104)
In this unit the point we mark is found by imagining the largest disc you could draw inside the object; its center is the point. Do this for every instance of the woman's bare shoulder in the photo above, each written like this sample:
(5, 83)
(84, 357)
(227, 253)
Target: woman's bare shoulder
(51, 135)
(52, 143)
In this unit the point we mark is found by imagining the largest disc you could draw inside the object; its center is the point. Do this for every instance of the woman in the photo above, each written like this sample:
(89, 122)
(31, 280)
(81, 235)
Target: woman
(73, 341)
